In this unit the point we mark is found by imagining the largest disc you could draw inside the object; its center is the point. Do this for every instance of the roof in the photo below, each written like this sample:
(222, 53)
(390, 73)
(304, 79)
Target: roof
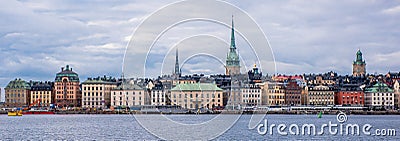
(18, 83)
(67, 72)
(100, 80)
(379, 87)
(196, 87)
(128, 86)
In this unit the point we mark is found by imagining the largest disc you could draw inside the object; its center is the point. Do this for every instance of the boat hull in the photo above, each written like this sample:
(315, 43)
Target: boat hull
(38, 113)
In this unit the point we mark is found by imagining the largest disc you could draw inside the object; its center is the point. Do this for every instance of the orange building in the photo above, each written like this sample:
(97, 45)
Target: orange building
(66, 86)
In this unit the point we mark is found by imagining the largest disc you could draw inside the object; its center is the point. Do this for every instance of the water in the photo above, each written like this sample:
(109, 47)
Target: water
(125, 127)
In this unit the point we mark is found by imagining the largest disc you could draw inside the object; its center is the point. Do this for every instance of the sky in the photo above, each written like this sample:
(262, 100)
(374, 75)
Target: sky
(38, 37)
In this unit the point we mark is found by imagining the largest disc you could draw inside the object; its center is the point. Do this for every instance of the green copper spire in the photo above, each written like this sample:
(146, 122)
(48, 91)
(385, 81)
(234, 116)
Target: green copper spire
(232, 58)
(233, 45)
(359, 59)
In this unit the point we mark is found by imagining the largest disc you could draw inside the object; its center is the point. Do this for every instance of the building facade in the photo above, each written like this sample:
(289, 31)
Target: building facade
(232, 59)
(351, 95)
(42, 94)
(379, 96)
(128, 94)
(274, 94)
(17, 93)
(293, 93)
(321, 95)
(96, 92)
(157, 94)
(67, 89)
(251, 95)
(195, 96)
(359, 65)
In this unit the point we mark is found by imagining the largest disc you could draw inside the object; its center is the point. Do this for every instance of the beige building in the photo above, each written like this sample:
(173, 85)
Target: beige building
(42, 94)
(198, 95)
(96, 92)
(379, 96)
(17, 93)
(67, 89)
(396, 93)
(273, 93)
(128, 94)
(321, 95)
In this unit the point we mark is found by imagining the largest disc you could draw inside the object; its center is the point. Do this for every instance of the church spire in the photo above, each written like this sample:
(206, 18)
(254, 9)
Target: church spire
(177, 70)
(233, 45)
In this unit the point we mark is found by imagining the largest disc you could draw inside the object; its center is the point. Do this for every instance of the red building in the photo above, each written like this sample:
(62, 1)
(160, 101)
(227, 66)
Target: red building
(293, 93)
(350, 95)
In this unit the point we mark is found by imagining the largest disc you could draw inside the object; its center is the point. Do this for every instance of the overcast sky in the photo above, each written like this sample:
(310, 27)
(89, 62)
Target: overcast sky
(37, 38)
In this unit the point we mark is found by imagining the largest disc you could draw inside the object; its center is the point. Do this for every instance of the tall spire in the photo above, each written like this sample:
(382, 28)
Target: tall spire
(233, 45)
(177, 70)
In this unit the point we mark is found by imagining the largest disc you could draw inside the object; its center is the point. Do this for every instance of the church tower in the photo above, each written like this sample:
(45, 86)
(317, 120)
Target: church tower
(177, 70)
(359, 65)
(232, 58)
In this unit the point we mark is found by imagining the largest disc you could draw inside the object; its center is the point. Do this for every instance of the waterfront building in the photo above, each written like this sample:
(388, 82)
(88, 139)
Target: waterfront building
(17, 93)
(128, 94)
(350, 94)
(232, 59)
(96, 92)
(293, 93)
(199, 95)
(251, 94)
(359, 65)
(67, 89)
(321, 95)
(42, 93)
(396, 88)
(379, 96)
(157, 94)
(304, 95)
(273, 94)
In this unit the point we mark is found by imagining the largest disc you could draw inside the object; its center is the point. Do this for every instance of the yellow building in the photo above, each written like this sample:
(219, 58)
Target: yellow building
(42, 94)
(321, 95)
(273, 93)
(197, 95)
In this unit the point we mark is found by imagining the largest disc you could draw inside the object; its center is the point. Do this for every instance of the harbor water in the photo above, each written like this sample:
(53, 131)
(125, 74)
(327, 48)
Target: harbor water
(125, 127)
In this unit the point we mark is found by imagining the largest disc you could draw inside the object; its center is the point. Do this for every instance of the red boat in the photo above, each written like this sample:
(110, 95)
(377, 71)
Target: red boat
(38, 112)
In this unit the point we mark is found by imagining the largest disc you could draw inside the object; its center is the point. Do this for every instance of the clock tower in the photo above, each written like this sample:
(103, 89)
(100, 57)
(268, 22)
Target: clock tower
(359, 65)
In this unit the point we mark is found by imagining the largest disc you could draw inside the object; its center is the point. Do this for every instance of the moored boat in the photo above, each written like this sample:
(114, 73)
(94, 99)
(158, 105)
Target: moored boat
(38, 112)
(14, 113)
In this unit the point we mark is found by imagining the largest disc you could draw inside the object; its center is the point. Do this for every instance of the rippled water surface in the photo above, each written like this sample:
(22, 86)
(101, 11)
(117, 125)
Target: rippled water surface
(125, 127)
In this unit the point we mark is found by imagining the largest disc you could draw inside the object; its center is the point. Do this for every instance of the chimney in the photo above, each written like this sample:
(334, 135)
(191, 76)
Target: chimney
(62, 68)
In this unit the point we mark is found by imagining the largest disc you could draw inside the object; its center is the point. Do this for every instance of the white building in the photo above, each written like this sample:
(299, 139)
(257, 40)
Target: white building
(251, 95)
(128, 94)
(96, 92)
(379, 96)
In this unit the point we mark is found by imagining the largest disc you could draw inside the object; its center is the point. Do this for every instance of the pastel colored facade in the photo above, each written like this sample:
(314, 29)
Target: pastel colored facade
(158, 95)
(199, 95)
(42, 94)
(275, 93)
(359, 65)
(350, 95)
(293, 93)
(67, 89)
(304, 96)
(96, 92)
(396, 87)
(321, 95)
(128, 94)
(379, 96)
(17, 93)
(251, 95)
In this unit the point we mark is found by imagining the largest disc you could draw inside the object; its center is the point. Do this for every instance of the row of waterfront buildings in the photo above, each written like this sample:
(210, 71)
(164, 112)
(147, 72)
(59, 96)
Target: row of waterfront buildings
(232, 90)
